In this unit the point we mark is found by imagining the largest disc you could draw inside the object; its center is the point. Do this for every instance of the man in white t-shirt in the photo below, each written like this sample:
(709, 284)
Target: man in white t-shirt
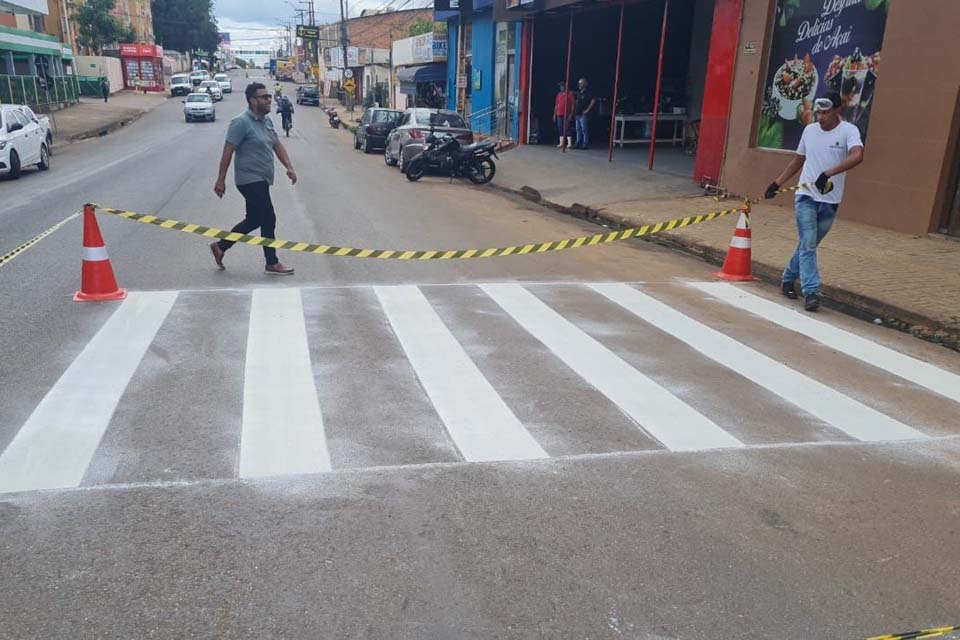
(828, 149)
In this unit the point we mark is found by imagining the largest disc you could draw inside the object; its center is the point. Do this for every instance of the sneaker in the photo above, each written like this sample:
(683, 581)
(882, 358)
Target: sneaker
(789, 290)
(278, 270)
(811, 302)
(217, 255)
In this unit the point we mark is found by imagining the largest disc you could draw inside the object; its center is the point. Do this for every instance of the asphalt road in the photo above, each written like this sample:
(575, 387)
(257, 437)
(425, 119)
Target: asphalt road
(596, 443)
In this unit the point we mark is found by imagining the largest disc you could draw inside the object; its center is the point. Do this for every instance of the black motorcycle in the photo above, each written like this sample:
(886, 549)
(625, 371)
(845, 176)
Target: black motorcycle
(446, 154)
(333, 118)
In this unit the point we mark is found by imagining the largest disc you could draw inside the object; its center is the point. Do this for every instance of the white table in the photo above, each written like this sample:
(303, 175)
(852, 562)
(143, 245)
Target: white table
(621, 120)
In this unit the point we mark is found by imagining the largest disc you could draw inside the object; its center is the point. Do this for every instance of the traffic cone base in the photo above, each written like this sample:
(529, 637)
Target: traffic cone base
(736, 266)
(97, 281)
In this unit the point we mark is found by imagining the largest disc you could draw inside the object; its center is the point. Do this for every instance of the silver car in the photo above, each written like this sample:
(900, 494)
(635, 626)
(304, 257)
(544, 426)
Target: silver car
(225, 84)
(409, 138)
(199, 106)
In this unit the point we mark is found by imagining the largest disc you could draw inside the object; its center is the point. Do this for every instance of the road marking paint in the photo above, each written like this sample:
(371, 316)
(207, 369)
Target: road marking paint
(282, 430)
(55, 445)
(840, 411)
(661, 414)
(916, 371)
(478, 420)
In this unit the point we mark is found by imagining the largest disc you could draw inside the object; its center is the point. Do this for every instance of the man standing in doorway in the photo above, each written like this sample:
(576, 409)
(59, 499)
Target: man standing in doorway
(252, 137)
(828, 149)
(584, 105)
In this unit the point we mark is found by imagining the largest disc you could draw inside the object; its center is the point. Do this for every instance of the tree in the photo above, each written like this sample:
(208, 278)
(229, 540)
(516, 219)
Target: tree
(96, 26)
(421, 26)
(185, 25)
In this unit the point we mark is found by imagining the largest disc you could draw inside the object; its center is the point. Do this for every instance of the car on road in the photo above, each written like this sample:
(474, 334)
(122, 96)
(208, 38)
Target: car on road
(23, 142)
(196, 77)
(42, 121)
(308, 95)
(180, 85)
(374, 127)
(409, 136)
(199, 106)
(225, 84)
(214, 87)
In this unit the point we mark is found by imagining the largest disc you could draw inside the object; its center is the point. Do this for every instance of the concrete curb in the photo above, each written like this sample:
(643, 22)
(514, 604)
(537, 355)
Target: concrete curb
(854, 304)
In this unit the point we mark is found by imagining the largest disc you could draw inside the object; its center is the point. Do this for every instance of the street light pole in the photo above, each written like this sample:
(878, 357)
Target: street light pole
(344, 42)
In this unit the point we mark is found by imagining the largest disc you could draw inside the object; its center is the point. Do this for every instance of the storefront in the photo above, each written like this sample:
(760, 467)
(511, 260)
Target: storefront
(791, 51)
(420, 71)
(143, 62)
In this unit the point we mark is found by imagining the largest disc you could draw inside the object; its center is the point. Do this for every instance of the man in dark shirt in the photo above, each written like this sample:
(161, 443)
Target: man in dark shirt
(584, 105)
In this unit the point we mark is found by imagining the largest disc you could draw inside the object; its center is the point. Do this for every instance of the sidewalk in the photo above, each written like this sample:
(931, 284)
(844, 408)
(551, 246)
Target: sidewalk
(92, 117)
(911, 283)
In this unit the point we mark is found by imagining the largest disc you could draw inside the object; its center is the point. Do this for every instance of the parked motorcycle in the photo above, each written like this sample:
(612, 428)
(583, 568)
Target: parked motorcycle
(446, 154)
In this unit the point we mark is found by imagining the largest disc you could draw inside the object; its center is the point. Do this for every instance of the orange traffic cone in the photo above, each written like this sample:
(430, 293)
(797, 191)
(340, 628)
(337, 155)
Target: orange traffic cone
(96, 280)
(737, 264)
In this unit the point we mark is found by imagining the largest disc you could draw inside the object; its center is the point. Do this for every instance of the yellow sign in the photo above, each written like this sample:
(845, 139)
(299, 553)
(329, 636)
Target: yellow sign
(349, 85)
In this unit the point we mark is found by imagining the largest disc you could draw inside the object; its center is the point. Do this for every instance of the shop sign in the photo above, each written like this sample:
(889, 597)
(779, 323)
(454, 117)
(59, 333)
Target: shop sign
(439, 48)
(423, 48)
(307, 32)
(750, 47)
(453, 5)
(520, 4)
(819, 46)
(477, 79)
(141, 51)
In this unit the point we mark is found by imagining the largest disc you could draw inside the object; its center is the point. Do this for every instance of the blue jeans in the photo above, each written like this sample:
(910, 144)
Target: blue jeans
(814, 220)
(560, 123)
(583, 132)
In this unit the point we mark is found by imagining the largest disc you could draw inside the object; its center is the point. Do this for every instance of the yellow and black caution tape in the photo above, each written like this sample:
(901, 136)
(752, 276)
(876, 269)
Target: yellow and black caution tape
(433, 254)
(917, 635)
(13, 253)
(421, 254)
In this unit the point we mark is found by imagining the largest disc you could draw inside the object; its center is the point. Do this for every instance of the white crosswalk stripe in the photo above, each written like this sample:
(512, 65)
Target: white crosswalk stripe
(677, 425)
(478, 420)
(431, 339)
(282, 421)
(922, 373)
(54, 447)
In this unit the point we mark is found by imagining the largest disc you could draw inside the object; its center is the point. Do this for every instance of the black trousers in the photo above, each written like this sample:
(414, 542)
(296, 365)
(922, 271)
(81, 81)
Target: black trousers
(259, 214)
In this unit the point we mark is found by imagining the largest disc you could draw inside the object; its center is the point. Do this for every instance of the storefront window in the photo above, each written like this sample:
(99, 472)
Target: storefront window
(819, 46)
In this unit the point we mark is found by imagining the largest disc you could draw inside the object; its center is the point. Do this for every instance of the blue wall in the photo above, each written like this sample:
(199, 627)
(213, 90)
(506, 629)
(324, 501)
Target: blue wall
(453, 48)
(483, 60)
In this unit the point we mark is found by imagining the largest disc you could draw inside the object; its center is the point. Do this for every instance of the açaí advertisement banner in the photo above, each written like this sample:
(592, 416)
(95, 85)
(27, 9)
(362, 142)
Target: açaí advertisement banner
(820, 46)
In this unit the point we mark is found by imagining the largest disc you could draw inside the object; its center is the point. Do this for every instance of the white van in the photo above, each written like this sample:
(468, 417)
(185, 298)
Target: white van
(180, 85)
(224, 81)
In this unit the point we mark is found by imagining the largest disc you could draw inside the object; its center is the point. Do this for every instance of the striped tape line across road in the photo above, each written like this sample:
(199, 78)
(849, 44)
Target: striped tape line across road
(13, 253)
(917, 635)
(419, 254)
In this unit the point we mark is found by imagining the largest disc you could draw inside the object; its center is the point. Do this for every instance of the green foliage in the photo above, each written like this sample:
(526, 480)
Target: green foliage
(421, 26)
(185, 25)
(873, 5)
(96, 27)
(771, 134)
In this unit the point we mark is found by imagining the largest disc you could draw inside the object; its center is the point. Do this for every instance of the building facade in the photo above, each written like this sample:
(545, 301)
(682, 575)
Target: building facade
(36, 68)
(739, 78)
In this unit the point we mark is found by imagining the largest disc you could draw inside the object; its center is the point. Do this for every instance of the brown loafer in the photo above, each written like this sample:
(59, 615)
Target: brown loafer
(217, 254)
(278, 269)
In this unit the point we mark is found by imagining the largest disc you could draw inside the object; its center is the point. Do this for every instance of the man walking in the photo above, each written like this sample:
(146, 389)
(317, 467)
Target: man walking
(828, 149)
(584, 105)
(252, 137)
(105, 89)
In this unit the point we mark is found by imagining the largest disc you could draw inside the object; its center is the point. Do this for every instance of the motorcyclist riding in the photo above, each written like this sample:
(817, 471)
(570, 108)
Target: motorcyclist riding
(277, 91)
(285, 109)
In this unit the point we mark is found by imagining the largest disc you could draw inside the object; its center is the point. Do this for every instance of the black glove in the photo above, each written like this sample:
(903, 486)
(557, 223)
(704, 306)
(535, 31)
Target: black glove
(823, 183)
(772, 190)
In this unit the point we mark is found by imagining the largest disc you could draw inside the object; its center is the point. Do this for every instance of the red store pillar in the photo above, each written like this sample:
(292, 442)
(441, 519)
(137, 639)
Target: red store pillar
(724, 41)
(526, 55)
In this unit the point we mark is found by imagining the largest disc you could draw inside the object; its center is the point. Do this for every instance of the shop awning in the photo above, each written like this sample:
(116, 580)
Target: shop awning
(410, 76)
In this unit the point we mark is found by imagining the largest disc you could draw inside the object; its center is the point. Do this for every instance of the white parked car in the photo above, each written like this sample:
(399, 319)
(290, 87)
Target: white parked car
(214, 88)
(224, 81)
(199, 106)
(23, 141)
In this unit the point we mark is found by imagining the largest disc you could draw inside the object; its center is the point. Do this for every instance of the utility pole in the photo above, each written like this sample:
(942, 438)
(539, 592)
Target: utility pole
(344, 42)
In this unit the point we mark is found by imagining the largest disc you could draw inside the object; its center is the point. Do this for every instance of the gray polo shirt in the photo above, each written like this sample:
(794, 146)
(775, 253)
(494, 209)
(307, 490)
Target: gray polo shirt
(254, 141)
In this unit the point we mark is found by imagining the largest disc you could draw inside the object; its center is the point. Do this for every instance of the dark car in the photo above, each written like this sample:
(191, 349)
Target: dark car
(409, 136)
(374, 127)
(308, 95)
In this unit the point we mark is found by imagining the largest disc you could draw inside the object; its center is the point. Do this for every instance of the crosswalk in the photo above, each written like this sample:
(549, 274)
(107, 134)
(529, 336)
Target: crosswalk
(313, 380)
